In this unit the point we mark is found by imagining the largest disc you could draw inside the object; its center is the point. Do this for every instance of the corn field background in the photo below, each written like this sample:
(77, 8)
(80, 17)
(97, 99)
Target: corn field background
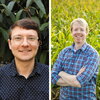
(63, 12)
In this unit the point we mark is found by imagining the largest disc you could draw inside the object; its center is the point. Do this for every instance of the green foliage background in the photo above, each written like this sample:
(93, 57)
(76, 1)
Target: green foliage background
(63, 12)
(13, 10)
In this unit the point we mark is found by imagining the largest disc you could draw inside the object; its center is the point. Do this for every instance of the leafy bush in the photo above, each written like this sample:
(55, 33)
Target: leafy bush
(13, 10)
(63, 12)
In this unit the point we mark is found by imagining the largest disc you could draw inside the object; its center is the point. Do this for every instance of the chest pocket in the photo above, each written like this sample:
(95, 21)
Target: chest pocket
(67, 62)
(73, 63)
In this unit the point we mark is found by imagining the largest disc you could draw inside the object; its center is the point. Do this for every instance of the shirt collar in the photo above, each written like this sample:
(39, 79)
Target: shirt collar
(13, 71)
(82, 48)
(37, 70)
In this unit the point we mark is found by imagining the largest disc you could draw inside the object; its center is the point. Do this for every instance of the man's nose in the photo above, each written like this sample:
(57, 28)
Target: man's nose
(79, 31)
(78, 36)
(25, 42)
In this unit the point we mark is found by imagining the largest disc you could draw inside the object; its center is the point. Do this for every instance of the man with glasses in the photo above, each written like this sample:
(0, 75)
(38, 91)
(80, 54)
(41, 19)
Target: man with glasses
(24, 78)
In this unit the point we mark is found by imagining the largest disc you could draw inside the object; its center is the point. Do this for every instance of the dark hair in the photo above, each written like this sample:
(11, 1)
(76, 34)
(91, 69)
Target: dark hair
(25, 24)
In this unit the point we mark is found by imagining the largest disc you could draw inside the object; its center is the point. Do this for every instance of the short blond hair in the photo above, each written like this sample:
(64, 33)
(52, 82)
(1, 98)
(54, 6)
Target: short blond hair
(80, 21)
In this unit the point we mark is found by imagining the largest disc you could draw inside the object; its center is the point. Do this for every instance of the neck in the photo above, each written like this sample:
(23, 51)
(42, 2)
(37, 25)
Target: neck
(24, 68)
(78, 46)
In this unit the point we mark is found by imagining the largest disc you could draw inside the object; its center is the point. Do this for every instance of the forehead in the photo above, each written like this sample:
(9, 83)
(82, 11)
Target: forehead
(23, 32)
(78, 24)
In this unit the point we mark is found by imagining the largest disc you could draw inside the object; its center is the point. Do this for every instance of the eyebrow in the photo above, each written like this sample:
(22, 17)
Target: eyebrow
(31, 35)
(22, 35)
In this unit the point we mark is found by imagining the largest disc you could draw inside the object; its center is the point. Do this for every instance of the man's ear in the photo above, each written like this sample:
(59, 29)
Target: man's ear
(40, 43)
(9, 43)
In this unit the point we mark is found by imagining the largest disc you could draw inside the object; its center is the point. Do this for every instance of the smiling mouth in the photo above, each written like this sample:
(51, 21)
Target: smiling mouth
(25, 50)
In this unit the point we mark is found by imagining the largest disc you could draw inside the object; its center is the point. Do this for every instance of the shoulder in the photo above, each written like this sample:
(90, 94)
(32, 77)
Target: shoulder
(4, 70)
(43, 67)
(4, 67)
(92, 50)
(65, 50)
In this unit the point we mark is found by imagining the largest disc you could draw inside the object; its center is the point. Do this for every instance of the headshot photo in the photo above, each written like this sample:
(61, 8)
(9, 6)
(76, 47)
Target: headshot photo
(24, 50)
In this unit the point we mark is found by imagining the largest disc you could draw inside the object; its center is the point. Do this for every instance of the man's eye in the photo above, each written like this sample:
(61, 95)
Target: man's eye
(81, 35)
(75, 29)
(82, 29)
(31, 38)
(17, 38)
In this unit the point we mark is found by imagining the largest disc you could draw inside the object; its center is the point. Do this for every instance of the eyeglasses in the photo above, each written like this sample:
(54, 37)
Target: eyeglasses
(20, 39)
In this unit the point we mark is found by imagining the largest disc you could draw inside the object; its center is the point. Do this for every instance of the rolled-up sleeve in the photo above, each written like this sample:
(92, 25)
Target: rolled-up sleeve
(91, 70)
(57, 68)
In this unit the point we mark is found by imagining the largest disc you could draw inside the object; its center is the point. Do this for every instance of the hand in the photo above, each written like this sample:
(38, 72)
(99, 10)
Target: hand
(81, 71)
(60, 73)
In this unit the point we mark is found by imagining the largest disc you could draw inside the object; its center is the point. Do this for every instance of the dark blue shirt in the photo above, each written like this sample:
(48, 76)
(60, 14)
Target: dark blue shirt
(16, 87)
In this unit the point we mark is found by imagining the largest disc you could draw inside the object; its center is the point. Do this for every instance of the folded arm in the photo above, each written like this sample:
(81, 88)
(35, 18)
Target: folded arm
(69, 80)
(61, 82)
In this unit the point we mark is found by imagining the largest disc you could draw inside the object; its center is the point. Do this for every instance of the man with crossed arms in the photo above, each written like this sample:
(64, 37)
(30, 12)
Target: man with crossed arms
(76, 68)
